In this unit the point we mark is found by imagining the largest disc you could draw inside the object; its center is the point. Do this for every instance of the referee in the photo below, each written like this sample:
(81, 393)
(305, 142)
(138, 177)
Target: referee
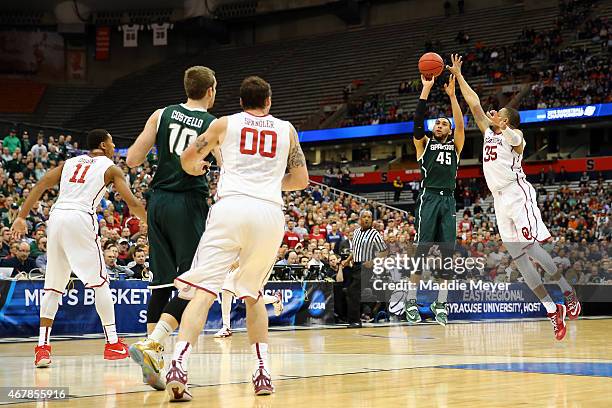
(367, 243)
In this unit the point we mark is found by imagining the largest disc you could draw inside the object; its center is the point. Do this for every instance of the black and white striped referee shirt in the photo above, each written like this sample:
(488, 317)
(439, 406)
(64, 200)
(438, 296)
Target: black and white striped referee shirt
(366, 244)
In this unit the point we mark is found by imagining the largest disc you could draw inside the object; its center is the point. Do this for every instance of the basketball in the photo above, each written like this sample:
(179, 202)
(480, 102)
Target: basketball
(431, 64)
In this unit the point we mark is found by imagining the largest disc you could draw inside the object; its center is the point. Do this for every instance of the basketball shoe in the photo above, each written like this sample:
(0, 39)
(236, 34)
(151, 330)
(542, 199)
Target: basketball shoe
(440, 312)
(42, 356)
(412, 312)
(278, 305)
(262, 382)
(558, 321)
(176, 383)
(223, 332)
(149, 355)
(116, 351)
(572, 304)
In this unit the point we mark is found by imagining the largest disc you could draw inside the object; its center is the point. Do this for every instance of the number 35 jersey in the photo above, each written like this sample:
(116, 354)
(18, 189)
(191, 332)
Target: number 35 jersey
(255, 152)
(439, 164)
(177, 128)
(500, 162)
(82, 183)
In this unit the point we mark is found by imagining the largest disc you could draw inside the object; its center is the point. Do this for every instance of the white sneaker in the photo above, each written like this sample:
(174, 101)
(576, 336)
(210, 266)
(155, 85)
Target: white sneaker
(223, 332)
(278, 305)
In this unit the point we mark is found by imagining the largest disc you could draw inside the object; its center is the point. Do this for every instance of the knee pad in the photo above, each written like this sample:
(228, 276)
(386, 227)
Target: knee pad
(176, 307)
(158, 300)
(49, 304)
(528, 271)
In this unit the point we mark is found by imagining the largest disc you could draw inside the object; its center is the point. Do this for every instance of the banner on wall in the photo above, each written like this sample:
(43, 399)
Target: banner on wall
(305, 303)
(102, 43)
(76, 64)
(39, 53)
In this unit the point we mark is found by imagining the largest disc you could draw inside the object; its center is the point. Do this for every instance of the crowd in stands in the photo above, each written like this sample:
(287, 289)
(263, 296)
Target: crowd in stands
(320, 222)
(562, 75)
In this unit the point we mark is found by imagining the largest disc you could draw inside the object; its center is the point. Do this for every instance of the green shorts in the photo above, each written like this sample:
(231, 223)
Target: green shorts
(436, 216)
(176, 224)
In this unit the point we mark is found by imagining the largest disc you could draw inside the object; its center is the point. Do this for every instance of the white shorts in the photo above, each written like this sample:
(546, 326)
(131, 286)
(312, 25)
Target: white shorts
(238, 228)
(518, 217)
(73, 245)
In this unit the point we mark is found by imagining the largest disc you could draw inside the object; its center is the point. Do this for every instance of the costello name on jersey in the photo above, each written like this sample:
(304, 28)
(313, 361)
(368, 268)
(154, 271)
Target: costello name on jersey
(187, 120)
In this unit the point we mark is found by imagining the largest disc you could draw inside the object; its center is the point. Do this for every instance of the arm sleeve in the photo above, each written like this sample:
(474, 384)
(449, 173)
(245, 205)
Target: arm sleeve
(419, 119)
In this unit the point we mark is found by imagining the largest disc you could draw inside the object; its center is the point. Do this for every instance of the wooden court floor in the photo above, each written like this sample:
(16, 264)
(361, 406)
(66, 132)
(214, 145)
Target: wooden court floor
(492, 364)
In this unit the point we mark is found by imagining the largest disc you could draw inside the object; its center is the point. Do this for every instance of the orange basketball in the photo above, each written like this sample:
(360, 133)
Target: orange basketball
(431, 64)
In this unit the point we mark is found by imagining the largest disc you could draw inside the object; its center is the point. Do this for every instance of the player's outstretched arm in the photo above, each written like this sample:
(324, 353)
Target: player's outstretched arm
(419, 137)
(297, 173)
(192, 159)
(459, 136)
(137, 153)
(52, 178)
(115, 175)
(469, 95)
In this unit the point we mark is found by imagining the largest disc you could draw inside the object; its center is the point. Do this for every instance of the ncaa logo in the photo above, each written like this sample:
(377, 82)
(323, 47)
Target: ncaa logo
(317, 304)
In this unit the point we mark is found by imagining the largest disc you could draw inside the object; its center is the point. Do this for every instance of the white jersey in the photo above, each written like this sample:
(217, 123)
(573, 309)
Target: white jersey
(82, 183)
(500, 162)
(255, 152)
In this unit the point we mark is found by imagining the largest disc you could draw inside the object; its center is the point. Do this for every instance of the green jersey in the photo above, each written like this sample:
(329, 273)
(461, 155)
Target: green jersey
(439, 165)
(179, 126)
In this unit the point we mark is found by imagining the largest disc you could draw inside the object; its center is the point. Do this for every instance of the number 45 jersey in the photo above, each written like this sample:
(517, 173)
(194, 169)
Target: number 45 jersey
(500, 162)
(255, 152)
(177, 128)
(439, 164)
(82, 183)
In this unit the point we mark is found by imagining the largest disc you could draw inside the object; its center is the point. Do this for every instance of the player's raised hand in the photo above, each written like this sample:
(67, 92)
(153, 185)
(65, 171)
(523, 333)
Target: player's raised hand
(457, 61)
(449, 88)
(19, 228)
(428, 83)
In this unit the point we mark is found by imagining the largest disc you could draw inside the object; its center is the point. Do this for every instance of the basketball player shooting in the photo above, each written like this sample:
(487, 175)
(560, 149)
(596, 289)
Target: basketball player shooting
(74, 244)
(246, 224)
(516, 208)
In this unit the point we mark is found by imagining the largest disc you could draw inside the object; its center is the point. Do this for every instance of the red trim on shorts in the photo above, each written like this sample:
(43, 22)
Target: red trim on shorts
(518, 257)
(248, 296)
(97, 286)
(99, 252)
(53, 290)
(545, 240)
(533, 212)
(196, 286)
(525, 205)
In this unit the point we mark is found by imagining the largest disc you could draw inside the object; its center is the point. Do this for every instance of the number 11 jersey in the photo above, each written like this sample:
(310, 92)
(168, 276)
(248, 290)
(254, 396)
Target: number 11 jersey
(177, 128)
(82, 183)
(255, 152)
(501, 164)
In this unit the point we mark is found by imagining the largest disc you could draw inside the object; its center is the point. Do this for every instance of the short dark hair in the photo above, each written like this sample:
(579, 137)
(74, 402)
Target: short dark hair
(197, 80)
(514, 118)
(253, 92)
(95, 137)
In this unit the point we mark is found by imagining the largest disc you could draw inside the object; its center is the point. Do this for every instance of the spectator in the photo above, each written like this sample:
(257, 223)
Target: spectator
(41, 259)
(398, 186)
(291, 237)
(334, 236)
(39, 150)
(114, 270)
(5, 238)
(25, 142)
(21, 261)
(11, 142)
(139, 265)
(123, 246)
(550, 180)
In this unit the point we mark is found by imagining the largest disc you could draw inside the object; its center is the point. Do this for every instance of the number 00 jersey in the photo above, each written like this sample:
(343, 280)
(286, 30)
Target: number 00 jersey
(255, 152)
(82, 183)
(439, 164)
(177, 128)
(501, 164)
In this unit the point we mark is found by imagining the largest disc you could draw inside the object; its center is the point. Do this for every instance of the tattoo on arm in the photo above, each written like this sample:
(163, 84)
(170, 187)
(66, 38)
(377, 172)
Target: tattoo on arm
(296, 156)
(200, 143)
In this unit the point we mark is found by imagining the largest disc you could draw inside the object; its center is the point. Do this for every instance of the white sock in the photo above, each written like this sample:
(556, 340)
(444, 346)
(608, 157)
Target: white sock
(182, 351)
(442, 295)
(564, 285)
(261, 355)
(161, 332)
(43, 335)
(110, 332)
(226, 308)
(548, 303)
(269, 299)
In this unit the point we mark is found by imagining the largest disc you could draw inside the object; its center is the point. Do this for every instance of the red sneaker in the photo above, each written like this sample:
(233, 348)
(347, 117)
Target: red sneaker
(262, 382)
(558, 321)
(42, 356)
(572, 304)
(116, 351)
(176, 383)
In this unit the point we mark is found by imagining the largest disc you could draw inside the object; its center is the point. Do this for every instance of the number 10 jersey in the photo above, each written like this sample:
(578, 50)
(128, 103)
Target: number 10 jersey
(255, 152)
